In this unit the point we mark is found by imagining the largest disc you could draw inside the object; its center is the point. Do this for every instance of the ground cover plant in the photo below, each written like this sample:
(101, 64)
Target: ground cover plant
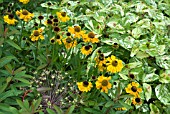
(85, 57)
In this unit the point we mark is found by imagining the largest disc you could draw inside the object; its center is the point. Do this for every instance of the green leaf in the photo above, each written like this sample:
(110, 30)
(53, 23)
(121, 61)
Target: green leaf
(22, 80)
(150, 77)
(70, 110)
(59, 111)
(148, 91)
(50, 111)
(125, 105)
(19, 70)
(1, 41)
(154, 109)
(3, 87)
(13, 110)
(13, 44)
(42, 66)
(162, 93)
(36, 103)
(109, 103)
(93, 111)
(5, 60)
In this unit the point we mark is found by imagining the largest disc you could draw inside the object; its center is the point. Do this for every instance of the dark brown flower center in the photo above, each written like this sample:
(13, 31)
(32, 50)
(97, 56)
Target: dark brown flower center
(40, 17)
(115, 63)
(131, 76)
(104, 65)
(68, 34)
(104, 83)
(49, 3)
(49, 21)
(25, 12)
(91, 35)
(56, 29)
(36, 33)
(77, 28)
(63, 14)
(58, 37)
(55, 20)
(133, 88)
(68, 40)
(52, 40)
(10, 16)
(137, 100)
(85, 83)
(101, 57)
(51, 17)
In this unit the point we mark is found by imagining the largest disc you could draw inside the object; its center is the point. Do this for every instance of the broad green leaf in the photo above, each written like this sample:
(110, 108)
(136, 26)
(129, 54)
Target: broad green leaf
(22, 80)
(154, 109)
(70, 110)
(59, 111)
(165, 77)
(163, 61)
(19, 70)
(5, 60)
(50, 111)
(13, 44)
(137, 32)
(93, 110)
(162, 93)
(1, 41)
(147, 90)
(36, 103)
(3, 87)
(109, 103)
(21, 104)
(150, 77)
(42, 66)
(13, 110)
(127, 106)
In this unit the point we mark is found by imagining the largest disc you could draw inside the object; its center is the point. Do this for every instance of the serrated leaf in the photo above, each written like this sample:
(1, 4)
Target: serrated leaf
(13, 44)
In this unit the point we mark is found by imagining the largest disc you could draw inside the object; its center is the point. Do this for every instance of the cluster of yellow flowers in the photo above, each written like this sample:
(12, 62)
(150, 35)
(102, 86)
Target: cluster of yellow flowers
(133, 89)
(22, 14)
(101, 83)
(110, 64)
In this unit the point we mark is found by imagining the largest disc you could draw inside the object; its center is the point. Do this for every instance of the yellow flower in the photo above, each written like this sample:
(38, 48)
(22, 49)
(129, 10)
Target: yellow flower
(69, 42)
(58, 39)
(76, 30)
(62, 16)
(36, 35)
(48, 22)
(90, 37)
(114, 65)
(24, 1)
(9, 19)
(52, 40)
(101, 62)
(133, 89)
(84, 86)
(86, 50)
(121, 109)
(136, 100)
(103, 83)
(25, 15)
